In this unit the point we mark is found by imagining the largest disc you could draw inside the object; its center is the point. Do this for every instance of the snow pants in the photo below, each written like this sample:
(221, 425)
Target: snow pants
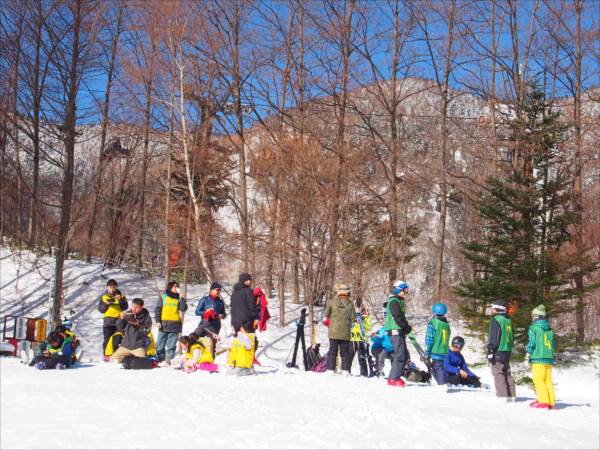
(169, 341)
(458, 380)
(344, 348)
(439, 373)
(360, 349)
(542, 380)
(503, 380)
(379, 354)
(399, 356)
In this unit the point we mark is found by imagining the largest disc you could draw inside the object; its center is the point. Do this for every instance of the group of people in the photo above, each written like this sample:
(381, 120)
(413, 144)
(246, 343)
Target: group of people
(128, 334)
(349, 329)
(128, 331)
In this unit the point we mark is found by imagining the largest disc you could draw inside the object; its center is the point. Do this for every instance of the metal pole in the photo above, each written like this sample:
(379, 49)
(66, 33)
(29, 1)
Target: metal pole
(51, 323)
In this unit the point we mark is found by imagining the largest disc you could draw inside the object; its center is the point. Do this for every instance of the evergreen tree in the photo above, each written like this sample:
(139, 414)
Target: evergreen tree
(527, 215)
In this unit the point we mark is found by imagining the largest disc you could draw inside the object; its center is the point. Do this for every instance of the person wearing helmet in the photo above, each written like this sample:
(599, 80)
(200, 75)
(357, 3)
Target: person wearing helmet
(541, 348)
(456, 367)
(397, 328)
(500, 346)
(437, 338)
(111, 304)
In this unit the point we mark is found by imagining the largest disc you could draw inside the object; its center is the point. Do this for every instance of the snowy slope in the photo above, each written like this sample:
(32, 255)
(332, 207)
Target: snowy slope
(100, 405)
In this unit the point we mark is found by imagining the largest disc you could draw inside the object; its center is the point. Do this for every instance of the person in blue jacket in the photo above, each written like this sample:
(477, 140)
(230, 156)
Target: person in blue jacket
(211, 309)
(457, 369)
(381, 346)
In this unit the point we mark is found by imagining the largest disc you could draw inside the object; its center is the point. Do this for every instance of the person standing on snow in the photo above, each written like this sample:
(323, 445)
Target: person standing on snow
(244, 311)
(398, 329)
(111, 304)
(358, 338)
(541, 348)
(169, 318)
(339, 317)
(500, 346)
(437, 338)
(211, 309)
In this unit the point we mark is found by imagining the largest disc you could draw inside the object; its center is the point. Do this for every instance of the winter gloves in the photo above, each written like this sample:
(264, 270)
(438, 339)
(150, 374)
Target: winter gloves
(326, 321)
(209, 314)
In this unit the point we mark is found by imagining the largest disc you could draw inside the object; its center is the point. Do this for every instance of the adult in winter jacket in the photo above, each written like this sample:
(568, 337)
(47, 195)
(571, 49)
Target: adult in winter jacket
(541, 348)
(244, 310)
(54, 353)
(437, 338)
(339, 317)
(456, 367)
(111, 304)
(211, 309)
(135, 325)
(168, 314)
(500, 346)
(397, 328)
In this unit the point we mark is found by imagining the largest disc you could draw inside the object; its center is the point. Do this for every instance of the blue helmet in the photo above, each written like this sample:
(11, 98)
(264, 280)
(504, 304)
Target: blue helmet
(439, 309)
(67, 323)
(399, 285)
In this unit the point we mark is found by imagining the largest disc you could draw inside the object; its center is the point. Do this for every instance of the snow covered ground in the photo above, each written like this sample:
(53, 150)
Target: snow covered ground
(100, 405)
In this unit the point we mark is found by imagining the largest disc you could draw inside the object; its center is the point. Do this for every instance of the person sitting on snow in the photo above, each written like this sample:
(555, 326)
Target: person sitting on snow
(53, 353)
(194, 354)
(241, 354)
(457, 369)
(135, 325)
(436, 341)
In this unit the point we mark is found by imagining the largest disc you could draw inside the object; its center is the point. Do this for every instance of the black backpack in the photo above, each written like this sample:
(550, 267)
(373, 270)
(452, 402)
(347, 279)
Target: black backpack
(313, 356)
(137, 363)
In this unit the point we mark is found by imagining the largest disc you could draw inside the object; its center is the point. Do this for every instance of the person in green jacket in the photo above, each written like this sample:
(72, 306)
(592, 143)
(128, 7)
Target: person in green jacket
(358, 337)
(339, 317)
(398, 330)
(541, 348)
(500, 346)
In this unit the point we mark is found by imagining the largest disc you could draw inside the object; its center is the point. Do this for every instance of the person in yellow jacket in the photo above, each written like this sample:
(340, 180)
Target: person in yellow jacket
(361, 330)
(195, 353)
(111, 303)
(168, 315)
(241, 354)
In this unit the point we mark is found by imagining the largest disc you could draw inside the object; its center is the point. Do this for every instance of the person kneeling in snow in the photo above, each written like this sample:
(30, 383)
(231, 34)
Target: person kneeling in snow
(241, 354)
(456, 367)
(135, 324)
(194, 354)
(53, 353)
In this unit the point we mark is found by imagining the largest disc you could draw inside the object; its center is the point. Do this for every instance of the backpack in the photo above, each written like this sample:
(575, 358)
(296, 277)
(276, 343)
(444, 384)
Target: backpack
(313, 356)
(137, 363)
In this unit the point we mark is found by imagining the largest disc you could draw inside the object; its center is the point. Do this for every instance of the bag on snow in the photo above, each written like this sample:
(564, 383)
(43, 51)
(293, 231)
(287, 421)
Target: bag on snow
(138, 363)
(313, 356)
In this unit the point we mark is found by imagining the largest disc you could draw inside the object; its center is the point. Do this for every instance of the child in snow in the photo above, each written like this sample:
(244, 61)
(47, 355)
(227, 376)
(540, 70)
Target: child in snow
(436, 341)
(212, 310)
(195, 354)
(53, 353)
(457, 369)
(541, 348)
(241, 354)
(111, 304)
(168, 314)
(500, 345)
(381, 348)
(398, 329)
(358, 338)
(68, 337)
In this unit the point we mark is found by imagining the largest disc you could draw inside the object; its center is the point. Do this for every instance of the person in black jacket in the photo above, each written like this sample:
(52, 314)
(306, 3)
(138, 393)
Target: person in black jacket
(135, 325)
(244, 310)
(111, 304)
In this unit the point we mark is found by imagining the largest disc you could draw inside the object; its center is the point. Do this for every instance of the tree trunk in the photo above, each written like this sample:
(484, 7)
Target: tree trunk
(103, 133)
(69, 163)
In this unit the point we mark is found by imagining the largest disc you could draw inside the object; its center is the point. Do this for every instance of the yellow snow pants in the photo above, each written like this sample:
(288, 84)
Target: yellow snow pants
(542, 380)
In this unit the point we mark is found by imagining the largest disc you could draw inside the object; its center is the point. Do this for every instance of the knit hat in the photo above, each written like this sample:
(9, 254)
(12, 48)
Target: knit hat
(539, 310)
(245, 277)
(215, 285)
(342, 289)
(500, 305)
